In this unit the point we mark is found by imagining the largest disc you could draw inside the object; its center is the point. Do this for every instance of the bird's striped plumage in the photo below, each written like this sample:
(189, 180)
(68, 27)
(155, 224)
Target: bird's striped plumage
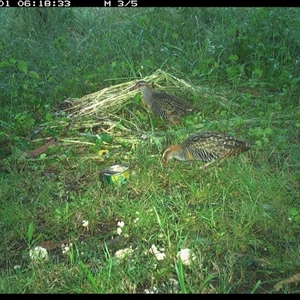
(206, 146)
(163, 104)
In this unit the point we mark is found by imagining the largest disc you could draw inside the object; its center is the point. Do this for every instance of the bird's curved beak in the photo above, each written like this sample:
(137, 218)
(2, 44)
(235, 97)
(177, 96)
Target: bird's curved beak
(134, 87)
(165, 162)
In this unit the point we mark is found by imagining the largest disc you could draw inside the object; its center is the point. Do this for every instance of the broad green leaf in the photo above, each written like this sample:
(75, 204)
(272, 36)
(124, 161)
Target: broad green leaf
(12, 60)
(258, 72)
(22, 65)
(233, 57)
(105, 137)
(33, 74)
(30, 231)
(268, 130)
(4, 64)
(43, 156)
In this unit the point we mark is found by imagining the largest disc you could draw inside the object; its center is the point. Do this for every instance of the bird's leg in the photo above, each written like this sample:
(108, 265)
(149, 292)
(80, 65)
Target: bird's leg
(175, 121)
(206, 165)
(221, 160)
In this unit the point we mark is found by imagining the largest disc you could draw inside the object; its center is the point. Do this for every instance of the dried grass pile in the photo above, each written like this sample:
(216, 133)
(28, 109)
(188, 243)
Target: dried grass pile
(88, 119)
(110, 100)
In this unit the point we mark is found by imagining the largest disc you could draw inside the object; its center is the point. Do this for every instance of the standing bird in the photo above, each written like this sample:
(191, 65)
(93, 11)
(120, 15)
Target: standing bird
(206, 146)
(162, 104)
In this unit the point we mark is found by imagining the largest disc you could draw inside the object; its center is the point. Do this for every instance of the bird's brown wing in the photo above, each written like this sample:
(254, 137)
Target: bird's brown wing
(167, 105)
(209, 145)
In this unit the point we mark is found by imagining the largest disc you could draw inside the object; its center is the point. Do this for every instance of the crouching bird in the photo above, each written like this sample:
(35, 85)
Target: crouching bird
(206, 146)
(163, 104)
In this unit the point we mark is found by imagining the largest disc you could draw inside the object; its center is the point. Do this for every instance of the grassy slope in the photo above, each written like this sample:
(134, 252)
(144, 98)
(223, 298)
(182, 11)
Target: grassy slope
(241, 218)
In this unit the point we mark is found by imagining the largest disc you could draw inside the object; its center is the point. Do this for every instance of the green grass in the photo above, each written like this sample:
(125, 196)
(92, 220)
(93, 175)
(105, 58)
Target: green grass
(241, 219)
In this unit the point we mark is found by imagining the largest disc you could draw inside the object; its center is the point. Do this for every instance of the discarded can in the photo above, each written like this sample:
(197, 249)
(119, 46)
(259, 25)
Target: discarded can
(115, 175)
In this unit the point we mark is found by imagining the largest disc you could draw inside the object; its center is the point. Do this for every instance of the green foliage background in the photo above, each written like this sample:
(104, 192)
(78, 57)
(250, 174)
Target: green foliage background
(242, 220)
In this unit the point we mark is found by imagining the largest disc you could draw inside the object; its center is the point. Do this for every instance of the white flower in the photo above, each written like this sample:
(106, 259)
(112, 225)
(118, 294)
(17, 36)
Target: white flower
(17, 267)
(153, 291)
(39, 254)
(135, 220)
(123, 252)
(119, 229)
(159, 255)
(174, 282)
(65, 249)
(85, 223)
(186, 256)
(121, 224)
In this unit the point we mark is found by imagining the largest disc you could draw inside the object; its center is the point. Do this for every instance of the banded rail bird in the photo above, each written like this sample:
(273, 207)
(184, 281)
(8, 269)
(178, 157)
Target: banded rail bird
(163, 104)
(206, 146)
